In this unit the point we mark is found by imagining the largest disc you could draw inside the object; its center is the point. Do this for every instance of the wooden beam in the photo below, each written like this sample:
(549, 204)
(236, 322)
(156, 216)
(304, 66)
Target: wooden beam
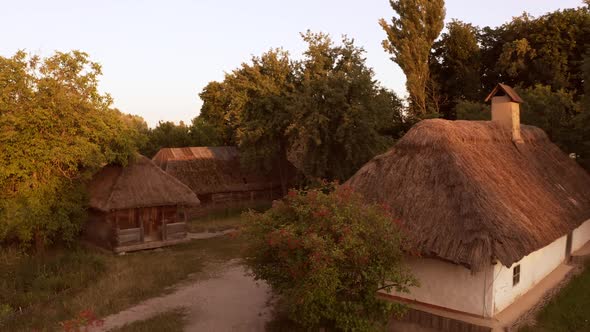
(141, 230)
(149, 245)
(164, 223)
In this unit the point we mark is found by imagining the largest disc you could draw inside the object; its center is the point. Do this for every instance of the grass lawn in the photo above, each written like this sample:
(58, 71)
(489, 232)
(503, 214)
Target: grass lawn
(38, 292)
(169, 321)
(223, 219)
(569, 310)
(214, 225)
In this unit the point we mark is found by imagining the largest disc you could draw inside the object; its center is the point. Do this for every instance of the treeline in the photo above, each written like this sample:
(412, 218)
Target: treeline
(322, 116)
(319, 116)
(167, 134)
(325, 113)
(546, 58)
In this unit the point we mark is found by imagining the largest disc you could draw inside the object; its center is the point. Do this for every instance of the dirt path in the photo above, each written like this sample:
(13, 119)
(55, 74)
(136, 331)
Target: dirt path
(228, 301)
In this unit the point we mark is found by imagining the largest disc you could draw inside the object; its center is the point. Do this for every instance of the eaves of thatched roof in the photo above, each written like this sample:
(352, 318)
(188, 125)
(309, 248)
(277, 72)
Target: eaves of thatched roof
(140, 184)
(469, 195)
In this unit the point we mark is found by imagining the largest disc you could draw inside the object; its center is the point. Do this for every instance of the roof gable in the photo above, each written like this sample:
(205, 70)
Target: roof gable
(503, 88)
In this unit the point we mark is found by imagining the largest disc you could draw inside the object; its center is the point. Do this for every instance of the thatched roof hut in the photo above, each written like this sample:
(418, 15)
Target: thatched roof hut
(137, 207)
(469, 195)
(209, 170)
(140, 184)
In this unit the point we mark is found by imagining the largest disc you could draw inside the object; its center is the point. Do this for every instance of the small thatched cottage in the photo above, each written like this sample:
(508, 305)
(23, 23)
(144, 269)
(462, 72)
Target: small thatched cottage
(137, 207)
(492, 206)
(215, 175)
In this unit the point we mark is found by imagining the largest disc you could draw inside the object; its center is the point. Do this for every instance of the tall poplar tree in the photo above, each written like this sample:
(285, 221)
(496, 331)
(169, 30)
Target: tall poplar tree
(410, 37)
(455, 66)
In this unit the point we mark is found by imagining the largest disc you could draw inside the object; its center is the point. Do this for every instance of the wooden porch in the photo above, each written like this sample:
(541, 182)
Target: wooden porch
(147, 228)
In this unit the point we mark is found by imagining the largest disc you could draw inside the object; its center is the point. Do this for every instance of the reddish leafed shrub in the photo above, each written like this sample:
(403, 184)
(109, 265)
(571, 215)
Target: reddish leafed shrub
(327, 253)
(83, 322)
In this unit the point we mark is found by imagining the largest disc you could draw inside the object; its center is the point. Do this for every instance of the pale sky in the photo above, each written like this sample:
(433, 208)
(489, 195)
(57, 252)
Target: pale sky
(158, 55)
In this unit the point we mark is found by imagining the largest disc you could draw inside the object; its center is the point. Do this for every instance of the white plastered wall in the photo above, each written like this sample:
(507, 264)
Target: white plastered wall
(533, 268)
(581, 236)
(451, 286)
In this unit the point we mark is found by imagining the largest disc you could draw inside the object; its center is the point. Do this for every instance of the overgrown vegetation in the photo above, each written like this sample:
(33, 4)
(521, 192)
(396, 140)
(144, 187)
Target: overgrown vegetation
(410, 37)
(39, 292)
(569, 311)
(169, 321)
(325, 113)
(546, 58)
(170, 135)
(56, 130)
(327, 255)
(225, 218)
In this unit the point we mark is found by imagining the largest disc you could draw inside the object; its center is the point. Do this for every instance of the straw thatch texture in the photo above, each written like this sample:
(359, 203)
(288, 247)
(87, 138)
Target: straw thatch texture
(140, 184)
(208, 170)
(469, 195)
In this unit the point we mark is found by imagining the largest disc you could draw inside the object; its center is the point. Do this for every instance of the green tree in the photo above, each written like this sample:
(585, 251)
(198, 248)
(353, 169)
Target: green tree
(338, 110)
(203, 134)
(219, 110)
(549, 110)
(547, 50)
(455, 66)
(167, 134)
(472, 110)
(327, 255)
(267, 85)
(139, 130)
(580, 142)
(325, 114)
(410, 38)
(56, 130)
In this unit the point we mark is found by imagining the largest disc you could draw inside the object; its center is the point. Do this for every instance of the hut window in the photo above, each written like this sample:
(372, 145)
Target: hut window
(516, 275)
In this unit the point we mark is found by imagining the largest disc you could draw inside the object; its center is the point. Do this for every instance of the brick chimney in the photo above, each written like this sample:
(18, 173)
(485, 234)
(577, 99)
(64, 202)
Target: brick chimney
(506, 109)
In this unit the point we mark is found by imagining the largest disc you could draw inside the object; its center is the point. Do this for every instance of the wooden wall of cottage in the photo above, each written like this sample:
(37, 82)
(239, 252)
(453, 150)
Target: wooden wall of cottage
(127, 227)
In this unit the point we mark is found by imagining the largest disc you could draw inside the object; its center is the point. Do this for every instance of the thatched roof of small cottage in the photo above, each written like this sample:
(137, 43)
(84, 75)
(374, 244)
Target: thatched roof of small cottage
(208, 170)
(469, 195)
(140, 184)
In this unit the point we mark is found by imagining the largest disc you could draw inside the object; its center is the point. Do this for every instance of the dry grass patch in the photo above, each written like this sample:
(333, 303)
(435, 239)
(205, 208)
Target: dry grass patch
(224, 219)
(215, 225)
(102, 283)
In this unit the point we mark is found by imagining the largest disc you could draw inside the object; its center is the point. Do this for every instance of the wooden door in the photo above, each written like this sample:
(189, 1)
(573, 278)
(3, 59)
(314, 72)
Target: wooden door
(146, 222)
(151, 219)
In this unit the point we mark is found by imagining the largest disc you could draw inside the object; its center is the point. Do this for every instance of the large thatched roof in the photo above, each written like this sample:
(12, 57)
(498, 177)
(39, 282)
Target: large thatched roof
(140, 184)
(469, 195)
(208, 170)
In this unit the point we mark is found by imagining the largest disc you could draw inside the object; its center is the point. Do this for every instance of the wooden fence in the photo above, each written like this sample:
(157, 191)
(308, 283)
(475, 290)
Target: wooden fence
(175, 231)
(128, 236)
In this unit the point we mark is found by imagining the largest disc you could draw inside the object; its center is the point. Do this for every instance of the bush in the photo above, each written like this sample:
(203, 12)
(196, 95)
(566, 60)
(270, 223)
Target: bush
(327, 254)
(56, 131)
(471, 110)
